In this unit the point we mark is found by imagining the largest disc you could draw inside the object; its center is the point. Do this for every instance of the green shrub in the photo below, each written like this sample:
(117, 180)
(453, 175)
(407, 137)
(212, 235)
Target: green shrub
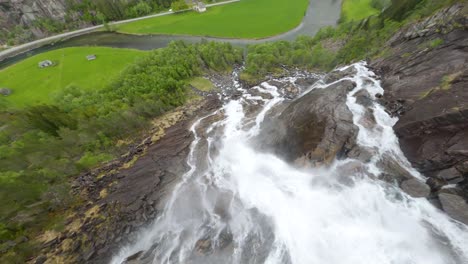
(179, 5)
(142, 8)
(436, 43)
(89, 160)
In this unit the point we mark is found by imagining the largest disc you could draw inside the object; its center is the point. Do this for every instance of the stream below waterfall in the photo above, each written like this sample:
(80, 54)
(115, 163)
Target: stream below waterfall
(237, 204)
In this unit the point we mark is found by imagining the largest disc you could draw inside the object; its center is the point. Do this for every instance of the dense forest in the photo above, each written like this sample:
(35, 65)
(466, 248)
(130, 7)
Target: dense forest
(42, 146)
(99, 10)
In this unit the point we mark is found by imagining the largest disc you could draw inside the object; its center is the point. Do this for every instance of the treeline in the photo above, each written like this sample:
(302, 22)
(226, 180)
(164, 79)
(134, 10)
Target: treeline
(332, 46)
(98, 10)
(41, 146)
(91, 12)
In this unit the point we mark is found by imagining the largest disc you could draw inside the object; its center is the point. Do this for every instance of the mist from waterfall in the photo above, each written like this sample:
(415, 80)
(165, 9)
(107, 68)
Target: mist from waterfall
(239, 205)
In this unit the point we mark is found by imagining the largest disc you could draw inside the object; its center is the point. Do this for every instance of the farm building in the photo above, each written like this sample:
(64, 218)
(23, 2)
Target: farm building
(5, 91)
(199, 7)
(44, 64)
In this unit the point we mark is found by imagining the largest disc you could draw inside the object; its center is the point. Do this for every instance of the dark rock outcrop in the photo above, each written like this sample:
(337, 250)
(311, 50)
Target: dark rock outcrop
(311, 129)
(425, 79)
(450, 175)
(26, 13)
(455, 206)
(416, 188)
(430, 84)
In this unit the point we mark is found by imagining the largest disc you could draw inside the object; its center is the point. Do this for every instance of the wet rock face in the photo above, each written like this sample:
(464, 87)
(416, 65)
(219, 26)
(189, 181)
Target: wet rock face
(128, 193)
(455, 206)
(450, 175)
(416, 188)
(133, 259)
(363, 98)
(311, 128)
(26, 12)
(426, 87)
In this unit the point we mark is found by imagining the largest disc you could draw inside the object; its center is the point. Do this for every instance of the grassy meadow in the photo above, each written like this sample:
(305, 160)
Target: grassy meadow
(202, 84)
(32, 85)
(251, 19)
(357, 10)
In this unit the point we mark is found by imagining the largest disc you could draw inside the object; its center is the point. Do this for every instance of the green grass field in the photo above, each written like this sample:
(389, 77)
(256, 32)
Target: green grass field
(32, 85)
(245, 19)
(202, 84)
(357, 10)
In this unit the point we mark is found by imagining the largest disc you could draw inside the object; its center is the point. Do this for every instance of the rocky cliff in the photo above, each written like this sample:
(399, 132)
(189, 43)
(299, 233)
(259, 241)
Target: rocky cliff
(425, 78)
(26, 13)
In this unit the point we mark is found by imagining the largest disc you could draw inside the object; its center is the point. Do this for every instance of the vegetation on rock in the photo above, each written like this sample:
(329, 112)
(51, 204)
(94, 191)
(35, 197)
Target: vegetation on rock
(356, 10)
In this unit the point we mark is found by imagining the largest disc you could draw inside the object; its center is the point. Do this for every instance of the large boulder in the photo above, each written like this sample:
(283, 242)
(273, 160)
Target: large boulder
(450, 175)
(416, 188)
(316, 127)
(455, 206)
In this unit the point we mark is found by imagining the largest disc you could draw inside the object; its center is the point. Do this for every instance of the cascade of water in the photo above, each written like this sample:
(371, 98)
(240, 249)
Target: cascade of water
(244, 206)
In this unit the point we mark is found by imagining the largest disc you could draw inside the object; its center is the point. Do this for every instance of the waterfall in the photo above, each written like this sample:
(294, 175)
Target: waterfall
(239, 205)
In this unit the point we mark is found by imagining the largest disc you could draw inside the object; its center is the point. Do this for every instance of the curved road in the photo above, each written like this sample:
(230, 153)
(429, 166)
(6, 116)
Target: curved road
(37, 43)
(319, 13)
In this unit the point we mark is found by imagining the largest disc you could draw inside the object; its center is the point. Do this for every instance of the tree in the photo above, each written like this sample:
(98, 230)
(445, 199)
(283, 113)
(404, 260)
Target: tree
(140, 9)
(179, 5)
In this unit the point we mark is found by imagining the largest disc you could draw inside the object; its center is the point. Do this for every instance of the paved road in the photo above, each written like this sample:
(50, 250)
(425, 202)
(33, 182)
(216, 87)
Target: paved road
(34, 44)
(319, 13)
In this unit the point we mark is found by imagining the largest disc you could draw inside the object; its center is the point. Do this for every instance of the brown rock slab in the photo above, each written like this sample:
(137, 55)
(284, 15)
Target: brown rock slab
(133, 259)
(311, 129)
(455, 206)
(450, 175)
(416, 188)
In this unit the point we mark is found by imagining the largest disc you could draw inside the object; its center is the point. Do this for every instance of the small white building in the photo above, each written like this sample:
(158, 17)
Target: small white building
(44, 64)
(5, 91)
(200, 7)
(91, 57)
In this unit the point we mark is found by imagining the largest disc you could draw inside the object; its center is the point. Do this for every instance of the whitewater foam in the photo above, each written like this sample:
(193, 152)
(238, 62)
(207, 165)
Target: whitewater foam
(250, 207)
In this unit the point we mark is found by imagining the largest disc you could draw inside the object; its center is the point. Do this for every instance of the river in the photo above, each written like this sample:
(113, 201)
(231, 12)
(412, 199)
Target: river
(319, 13)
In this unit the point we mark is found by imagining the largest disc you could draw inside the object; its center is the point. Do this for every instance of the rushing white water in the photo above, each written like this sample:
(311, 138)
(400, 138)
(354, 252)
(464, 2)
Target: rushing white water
(237, 205)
